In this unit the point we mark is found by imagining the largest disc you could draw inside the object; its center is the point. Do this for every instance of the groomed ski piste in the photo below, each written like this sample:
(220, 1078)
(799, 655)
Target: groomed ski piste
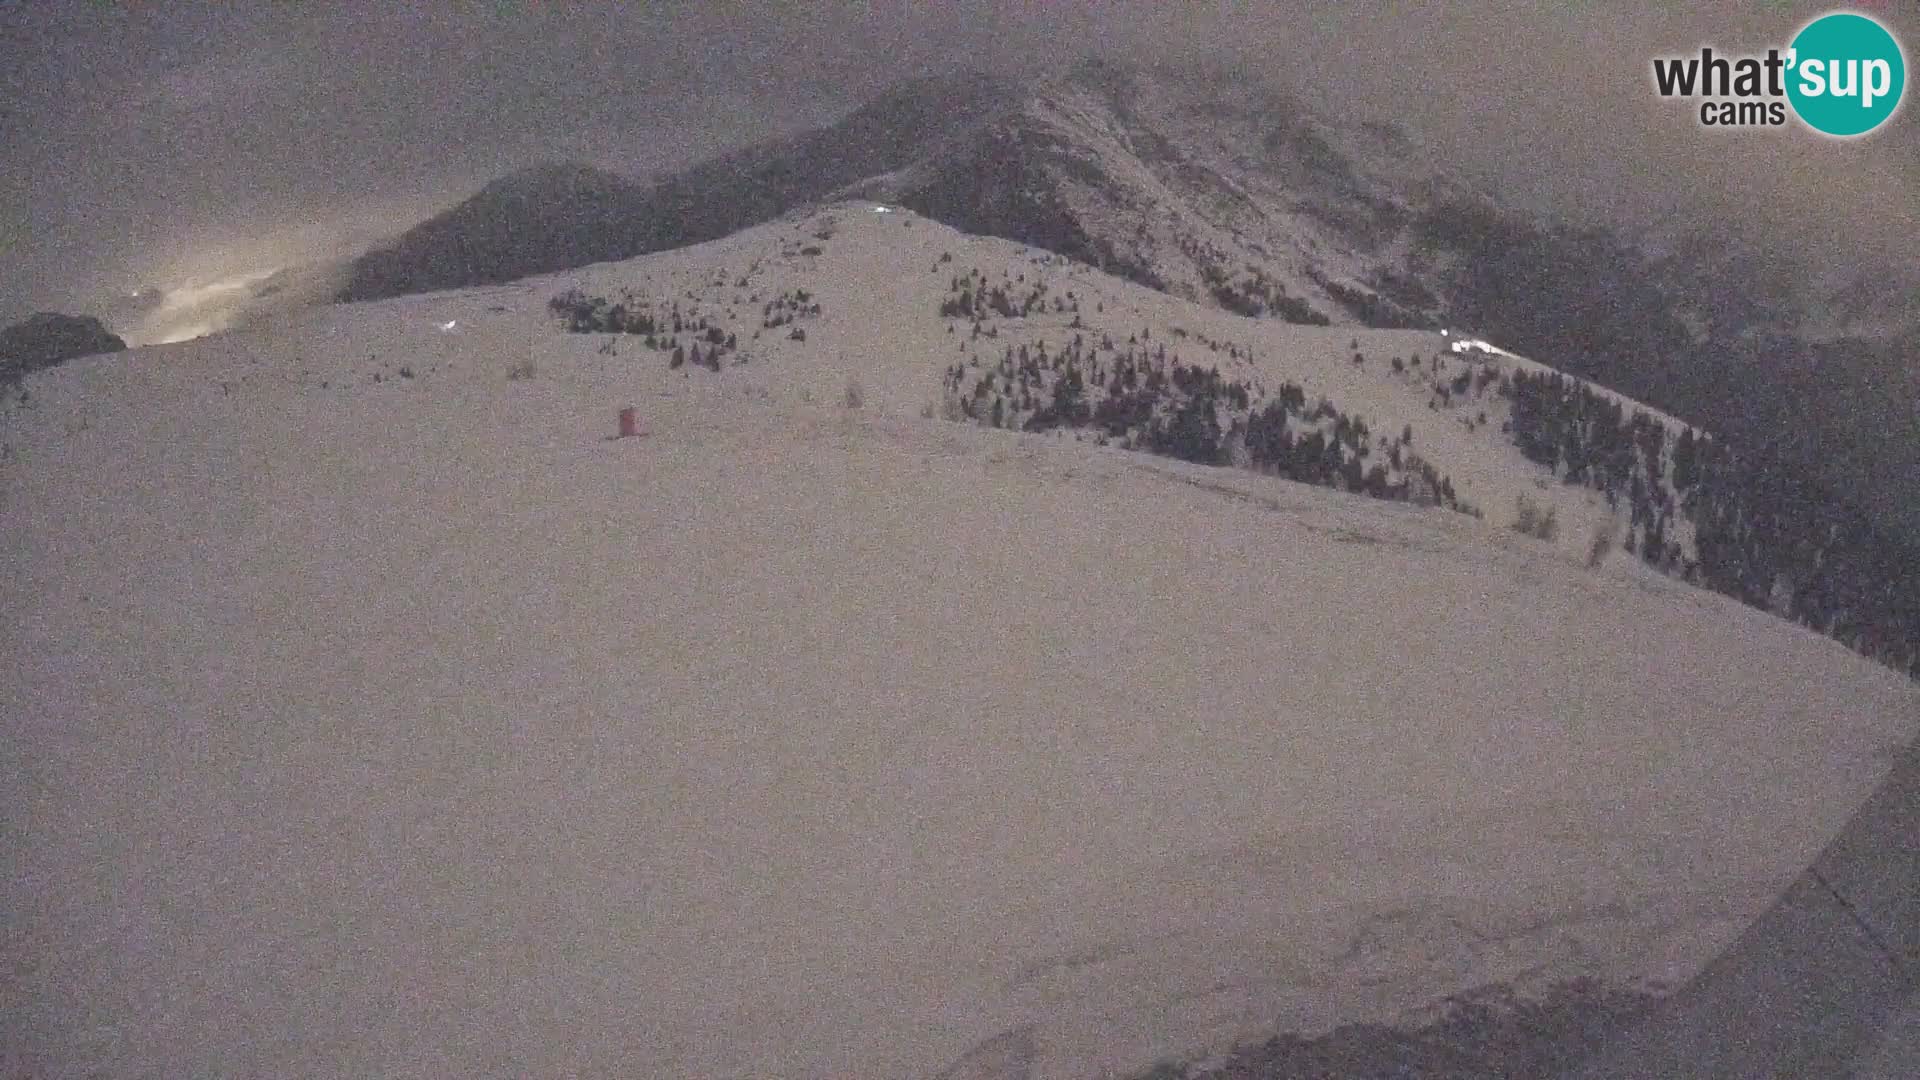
(365, 721)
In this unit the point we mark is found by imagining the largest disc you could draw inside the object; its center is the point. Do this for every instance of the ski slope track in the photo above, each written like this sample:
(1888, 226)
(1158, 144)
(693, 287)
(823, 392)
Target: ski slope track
(370, 722)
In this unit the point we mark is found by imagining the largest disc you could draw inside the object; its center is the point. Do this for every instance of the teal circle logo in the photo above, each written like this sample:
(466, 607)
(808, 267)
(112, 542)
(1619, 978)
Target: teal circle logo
(1847, 75)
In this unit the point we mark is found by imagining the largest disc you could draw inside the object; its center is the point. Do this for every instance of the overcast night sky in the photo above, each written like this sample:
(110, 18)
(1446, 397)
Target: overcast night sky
(179, 144)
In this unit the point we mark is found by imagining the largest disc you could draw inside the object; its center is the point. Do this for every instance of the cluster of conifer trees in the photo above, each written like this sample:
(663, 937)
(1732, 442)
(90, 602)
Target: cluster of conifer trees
(662, 332)
(1761, 533)
(1143, 398)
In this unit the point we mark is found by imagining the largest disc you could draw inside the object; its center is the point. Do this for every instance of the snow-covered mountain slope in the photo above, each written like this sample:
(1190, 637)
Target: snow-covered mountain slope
(1209, 184)
(1206, 184)
(871, 293)
(373, 712)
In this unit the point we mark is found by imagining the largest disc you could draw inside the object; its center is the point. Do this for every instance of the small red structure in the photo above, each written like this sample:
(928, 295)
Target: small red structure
(628, 427)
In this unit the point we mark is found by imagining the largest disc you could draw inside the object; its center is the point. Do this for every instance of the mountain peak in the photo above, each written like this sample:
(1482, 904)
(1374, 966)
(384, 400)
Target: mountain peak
(556, 215)
(1203, 180)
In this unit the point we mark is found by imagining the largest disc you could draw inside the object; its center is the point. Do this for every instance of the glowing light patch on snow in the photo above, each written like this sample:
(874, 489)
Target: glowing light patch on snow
(185, 333)
(195, 309)
(192, 296)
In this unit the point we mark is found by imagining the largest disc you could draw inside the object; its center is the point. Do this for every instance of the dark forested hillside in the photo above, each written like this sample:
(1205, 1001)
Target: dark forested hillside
(1763, 533)
(1845, 414)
